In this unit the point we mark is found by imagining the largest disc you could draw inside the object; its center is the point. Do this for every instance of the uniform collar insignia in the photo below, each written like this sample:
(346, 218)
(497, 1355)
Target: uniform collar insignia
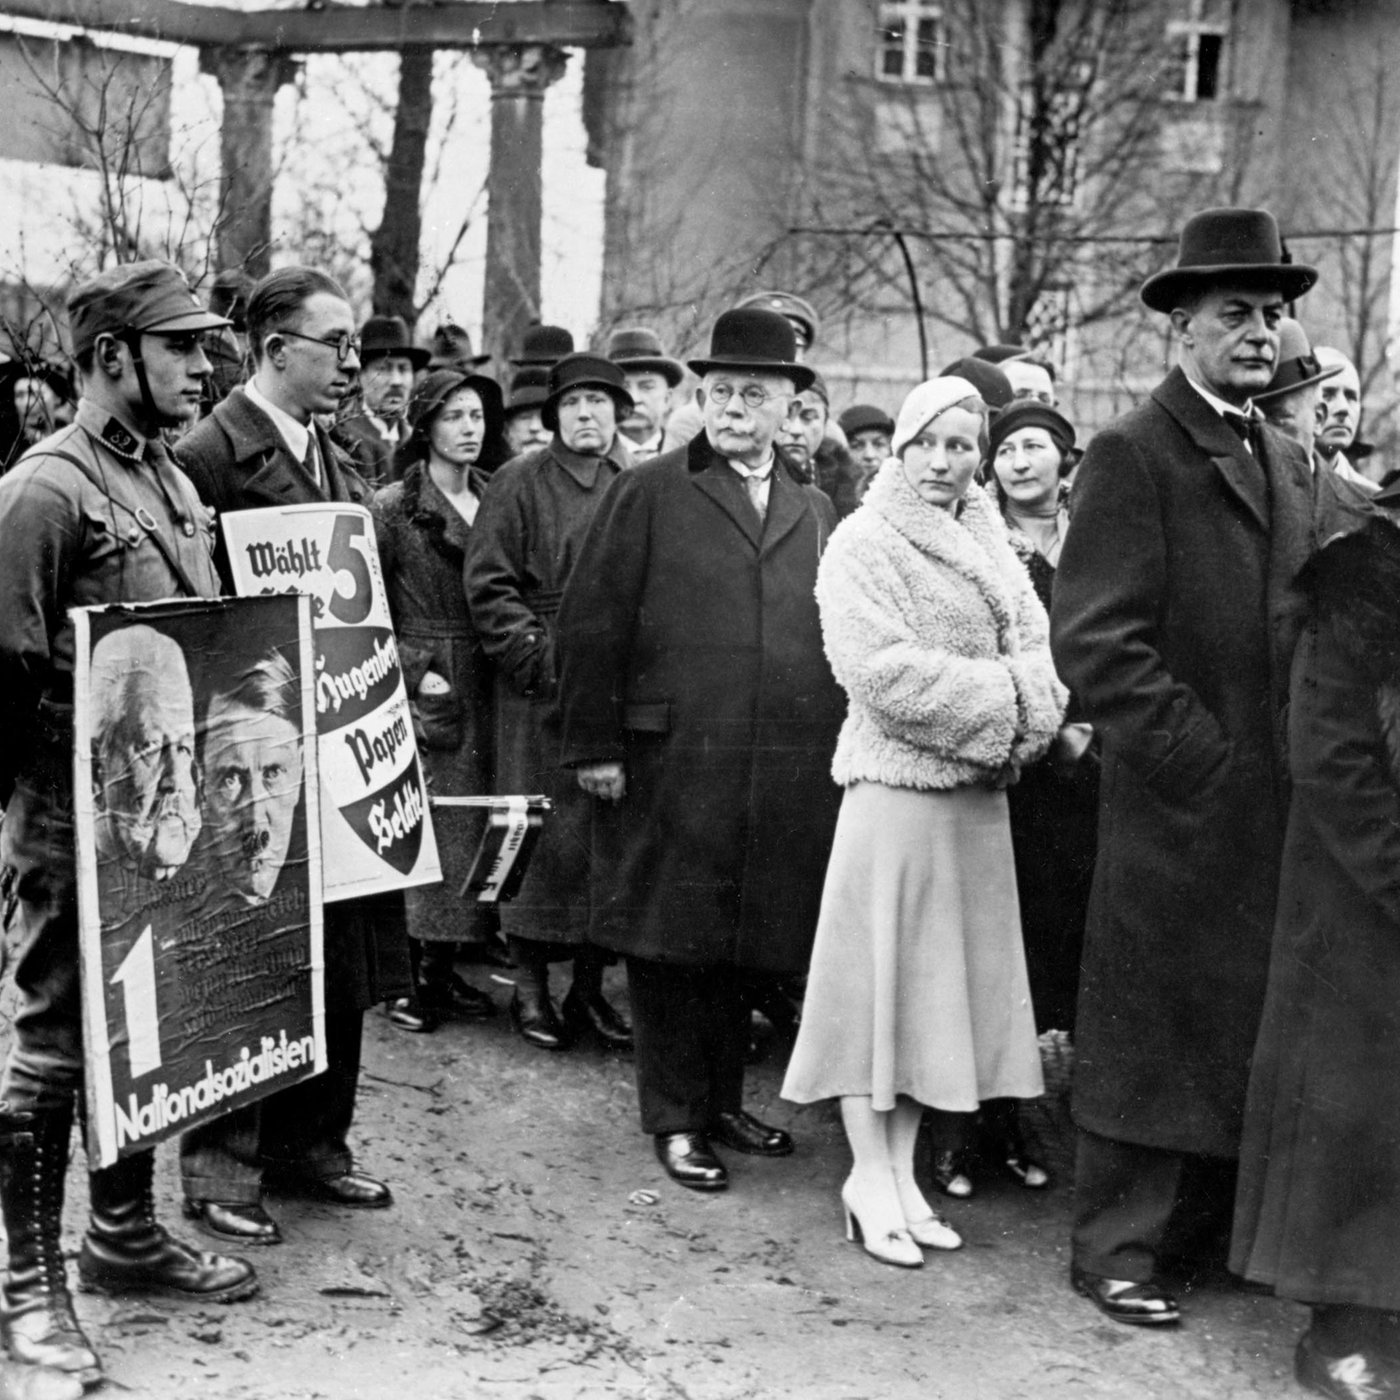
(121, 439)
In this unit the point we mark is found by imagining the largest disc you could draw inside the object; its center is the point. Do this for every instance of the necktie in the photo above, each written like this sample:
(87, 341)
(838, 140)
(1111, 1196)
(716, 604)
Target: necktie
(754, 485)
(312, 460)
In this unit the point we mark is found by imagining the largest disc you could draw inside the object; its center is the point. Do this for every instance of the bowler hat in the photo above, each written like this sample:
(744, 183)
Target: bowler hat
(136, 297)
(451, 348)
(785, 304)
(991, 384)
(388, 335)
(756, 340)
(529, 388)
(863, 417)
(1297, 366)
(543, 345)
(584, 371)
(639, 349)
(1221, 246)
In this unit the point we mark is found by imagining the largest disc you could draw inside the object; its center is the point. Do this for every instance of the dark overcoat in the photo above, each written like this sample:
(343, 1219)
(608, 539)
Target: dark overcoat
(1318, 1210)
(690, 649)
(422, 543)
(238, 461)
(534, 514)
(1174, 621)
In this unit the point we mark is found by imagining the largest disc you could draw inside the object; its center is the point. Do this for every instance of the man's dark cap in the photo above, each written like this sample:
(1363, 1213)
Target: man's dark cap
(529, 388)
(543, 345)
(993, 386)
(136, 297)
(863, 417)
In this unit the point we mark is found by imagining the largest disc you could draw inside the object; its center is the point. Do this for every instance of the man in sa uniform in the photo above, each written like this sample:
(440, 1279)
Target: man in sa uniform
(95, 513)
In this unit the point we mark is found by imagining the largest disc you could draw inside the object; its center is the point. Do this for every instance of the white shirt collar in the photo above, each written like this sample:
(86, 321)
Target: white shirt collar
(295, 435)
(762, 472)
(1219, 404)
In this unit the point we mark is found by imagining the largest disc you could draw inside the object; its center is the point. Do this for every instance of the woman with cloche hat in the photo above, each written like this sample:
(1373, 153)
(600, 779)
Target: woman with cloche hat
(422, 523)
(917, 995)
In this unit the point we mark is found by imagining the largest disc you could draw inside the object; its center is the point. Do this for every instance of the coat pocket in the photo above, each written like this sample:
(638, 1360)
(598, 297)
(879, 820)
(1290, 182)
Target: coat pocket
(439, 713)
(647, 717)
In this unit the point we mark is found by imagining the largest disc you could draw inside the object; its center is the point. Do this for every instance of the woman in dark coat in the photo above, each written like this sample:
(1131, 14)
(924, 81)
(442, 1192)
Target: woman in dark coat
(422, 523)
(533, 520)
(1318, 1209)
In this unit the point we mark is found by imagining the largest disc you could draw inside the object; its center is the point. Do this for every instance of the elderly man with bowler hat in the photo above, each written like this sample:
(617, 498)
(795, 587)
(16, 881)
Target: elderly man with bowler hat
(1174, 622)
(264, 446)
(95, 513)
(700, 712)
(519, 555)
(652, 379)
(388, 362)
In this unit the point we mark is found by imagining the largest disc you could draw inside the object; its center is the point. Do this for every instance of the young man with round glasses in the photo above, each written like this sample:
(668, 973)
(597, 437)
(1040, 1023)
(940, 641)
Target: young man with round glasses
(263, 446)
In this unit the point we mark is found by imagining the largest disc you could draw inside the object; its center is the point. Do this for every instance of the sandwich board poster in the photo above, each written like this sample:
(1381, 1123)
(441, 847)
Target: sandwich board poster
(196, 810)
(376, 823)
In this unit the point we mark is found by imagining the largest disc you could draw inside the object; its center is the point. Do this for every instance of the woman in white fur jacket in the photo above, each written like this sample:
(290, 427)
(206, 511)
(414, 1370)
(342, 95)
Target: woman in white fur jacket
(917, 994)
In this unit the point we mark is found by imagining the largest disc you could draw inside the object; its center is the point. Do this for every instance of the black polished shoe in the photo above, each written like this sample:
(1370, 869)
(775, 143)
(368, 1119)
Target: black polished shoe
(535, 1020)
(352, 1188)
(1360, 1376)
(1137, 1304)
(598, 1015)
(409, 1014)
(690, 1160)
(236, 1222)
(456, 997)
(744, 1133)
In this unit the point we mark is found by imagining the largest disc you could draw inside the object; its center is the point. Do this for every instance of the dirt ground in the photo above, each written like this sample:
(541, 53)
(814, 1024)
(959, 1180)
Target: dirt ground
(519, 1263)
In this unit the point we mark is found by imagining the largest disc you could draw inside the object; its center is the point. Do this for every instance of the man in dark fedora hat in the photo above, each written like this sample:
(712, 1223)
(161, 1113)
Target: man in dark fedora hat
(525, 429)
(1294, 394)
(652, 378)
(542, 347)
(451, 348)
(1174, 621)
(699, 709)
(388, 362)
(520, 553)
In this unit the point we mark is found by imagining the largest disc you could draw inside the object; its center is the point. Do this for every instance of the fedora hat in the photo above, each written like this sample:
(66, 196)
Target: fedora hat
(1228, 245)
(529, 388)
(584, 371)
(543, 345)
(751, 338)
(388, 335)
(639, 349)
(451, 348)
(1297, 366)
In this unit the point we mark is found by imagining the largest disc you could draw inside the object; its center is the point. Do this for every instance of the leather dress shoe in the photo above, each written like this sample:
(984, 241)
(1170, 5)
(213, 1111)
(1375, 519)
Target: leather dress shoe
(690, 1160)
(1123, 1300)
(1360, 1376)
(239, 1222)
(595, 1013)
(352, 1188)
(744, 1133)
(409, 1014)
(456, 997)
(535, 1020)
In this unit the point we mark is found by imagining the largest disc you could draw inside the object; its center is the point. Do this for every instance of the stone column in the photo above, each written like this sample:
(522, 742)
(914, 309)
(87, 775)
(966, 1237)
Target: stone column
(519, 75)
(248, 80)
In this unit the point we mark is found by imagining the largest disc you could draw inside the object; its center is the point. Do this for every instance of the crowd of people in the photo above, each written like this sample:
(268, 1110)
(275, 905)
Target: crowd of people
(926, 735)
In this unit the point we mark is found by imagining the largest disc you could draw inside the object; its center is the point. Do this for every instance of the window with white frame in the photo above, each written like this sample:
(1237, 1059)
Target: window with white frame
(911, 43)
(1196, 42)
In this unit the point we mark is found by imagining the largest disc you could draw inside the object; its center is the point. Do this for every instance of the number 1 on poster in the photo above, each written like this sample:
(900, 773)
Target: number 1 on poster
(137, 976)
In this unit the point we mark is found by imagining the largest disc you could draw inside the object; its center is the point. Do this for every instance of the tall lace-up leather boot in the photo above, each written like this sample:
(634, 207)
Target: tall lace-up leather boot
(38, 1324)
(126, 1250)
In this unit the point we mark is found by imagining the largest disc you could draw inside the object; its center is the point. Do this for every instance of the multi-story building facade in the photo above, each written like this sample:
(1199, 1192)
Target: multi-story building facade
(936, 174)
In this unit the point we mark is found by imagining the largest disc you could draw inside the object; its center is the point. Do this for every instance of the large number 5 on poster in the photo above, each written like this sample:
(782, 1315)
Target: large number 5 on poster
(346, 555)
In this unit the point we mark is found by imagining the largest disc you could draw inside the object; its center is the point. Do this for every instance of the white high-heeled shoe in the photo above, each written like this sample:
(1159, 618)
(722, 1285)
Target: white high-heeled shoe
(886, 1237)
(933, 1232)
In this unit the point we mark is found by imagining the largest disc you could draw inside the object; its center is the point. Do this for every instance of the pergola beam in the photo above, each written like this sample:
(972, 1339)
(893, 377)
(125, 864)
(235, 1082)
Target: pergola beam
(344, 28)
